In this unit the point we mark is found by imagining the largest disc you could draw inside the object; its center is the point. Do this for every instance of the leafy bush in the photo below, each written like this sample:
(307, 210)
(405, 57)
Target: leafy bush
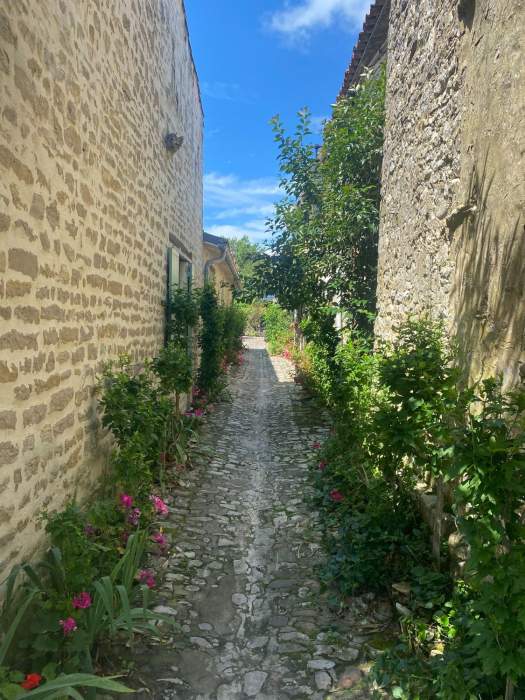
(210, 341)
(233, 326)
(254, 316)
(182, 314)
(277, 328)
(400, 415)
(173, 367)
(134, 404)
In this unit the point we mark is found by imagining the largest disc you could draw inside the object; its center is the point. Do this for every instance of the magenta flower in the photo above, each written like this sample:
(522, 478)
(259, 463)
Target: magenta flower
(126, 501)
(160, 507)
(82, 601)
(160, 539)
(322, 466)
(146, 576)
(198, 413)
(68, 625)
(133, 517)
(336, 496)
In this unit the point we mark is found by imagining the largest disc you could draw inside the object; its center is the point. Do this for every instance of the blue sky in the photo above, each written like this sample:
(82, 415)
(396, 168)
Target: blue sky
(257, 58)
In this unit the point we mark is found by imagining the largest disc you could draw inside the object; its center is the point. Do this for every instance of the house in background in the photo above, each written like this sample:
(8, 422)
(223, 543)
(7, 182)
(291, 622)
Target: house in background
(220, 267)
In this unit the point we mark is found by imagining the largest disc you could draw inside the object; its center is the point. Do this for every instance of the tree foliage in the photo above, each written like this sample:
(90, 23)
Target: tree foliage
(325, 229)
(248, 256)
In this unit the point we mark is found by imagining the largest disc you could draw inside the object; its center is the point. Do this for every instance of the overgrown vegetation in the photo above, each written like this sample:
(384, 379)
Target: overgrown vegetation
(248, 256)
(278, 329)
(60, 615)
(400, 418)
(220, 340)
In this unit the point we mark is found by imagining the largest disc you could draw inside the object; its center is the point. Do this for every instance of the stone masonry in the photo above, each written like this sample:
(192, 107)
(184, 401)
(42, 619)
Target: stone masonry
(89, 199)
(452, 233)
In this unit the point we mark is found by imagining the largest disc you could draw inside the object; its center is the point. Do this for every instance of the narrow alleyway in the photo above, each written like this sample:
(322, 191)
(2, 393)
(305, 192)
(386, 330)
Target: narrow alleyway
(241, 580)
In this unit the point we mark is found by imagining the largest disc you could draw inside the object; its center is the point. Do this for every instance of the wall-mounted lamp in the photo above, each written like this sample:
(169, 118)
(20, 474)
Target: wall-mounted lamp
(173, 142)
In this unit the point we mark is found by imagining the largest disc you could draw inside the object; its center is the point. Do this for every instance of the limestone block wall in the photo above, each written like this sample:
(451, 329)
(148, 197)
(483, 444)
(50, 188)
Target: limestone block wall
(89, 197)
(452, 231)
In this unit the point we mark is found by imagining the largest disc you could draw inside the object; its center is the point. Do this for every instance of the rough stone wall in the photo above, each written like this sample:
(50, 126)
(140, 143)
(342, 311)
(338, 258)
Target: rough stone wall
(88, 199)
(487, 304)
(451, 231)
(421, 161)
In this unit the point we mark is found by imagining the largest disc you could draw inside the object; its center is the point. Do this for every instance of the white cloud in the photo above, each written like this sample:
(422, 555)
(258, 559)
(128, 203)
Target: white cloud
(230, 92)
(235, 207)
(255, 230)
(230, 191)
(304, 17)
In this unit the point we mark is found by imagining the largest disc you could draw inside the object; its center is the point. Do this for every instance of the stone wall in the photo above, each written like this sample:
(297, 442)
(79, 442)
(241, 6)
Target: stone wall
(451, 232)
(89, 197)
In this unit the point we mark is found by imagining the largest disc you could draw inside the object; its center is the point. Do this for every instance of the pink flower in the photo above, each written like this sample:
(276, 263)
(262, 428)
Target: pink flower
(82, 601)
(160, 539)
(68, 625)
(198, 413)
(133, 517)
(160, 507)
(126, 501)
(146, 576)
(322, 466)
(336, 496)
(316, 446)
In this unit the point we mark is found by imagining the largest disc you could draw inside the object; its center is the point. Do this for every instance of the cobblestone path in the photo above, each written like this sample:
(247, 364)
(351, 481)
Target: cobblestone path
(240, 580)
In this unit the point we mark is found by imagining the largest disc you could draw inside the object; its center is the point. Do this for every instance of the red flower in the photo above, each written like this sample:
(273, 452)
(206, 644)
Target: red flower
(32, 680)
(316, 445)
(322, 466)
(336, 496)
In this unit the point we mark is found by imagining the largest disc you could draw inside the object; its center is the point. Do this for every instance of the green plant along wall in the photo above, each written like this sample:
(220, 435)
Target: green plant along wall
(59, 615)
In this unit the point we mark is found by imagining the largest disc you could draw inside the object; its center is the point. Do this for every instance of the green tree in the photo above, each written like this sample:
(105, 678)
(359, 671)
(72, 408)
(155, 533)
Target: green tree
(325, 229)
(248, 256)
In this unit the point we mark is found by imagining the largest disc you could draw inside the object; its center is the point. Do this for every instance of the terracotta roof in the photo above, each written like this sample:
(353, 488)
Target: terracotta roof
(371, 44)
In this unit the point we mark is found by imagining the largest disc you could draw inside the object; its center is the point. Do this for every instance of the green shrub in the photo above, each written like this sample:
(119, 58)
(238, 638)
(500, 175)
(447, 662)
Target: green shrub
(133, 403)
(253, 313)
(233, 326)
(210, 342)
(278, 330)
(173, 367)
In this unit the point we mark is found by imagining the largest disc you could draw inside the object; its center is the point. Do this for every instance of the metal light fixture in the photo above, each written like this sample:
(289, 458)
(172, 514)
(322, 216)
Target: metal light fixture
(173, 142)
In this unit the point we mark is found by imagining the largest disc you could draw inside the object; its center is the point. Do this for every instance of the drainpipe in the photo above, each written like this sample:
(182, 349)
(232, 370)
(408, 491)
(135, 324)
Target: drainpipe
(220, 258)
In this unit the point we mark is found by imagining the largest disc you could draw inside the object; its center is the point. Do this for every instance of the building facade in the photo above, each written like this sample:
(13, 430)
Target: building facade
(100, 176)
(220, 267)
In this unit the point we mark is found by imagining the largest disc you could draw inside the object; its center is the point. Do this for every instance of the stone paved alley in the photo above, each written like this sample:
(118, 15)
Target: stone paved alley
(241, 580)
